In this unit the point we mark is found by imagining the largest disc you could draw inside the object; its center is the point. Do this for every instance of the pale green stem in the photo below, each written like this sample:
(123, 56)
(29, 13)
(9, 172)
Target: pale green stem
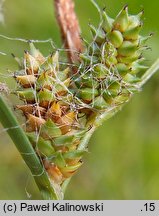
(8, 120)
(149, 73)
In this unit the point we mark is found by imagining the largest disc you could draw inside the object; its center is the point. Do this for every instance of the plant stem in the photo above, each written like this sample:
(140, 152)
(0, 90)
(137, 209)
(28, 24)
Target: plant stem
(69, 26)
(149, 73)
(8, 120)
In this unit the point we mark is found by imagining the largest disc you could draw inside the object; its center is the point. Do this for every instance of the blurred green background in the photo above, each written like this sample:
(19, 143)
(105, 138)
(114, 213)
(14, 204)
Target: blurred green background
(124, 153)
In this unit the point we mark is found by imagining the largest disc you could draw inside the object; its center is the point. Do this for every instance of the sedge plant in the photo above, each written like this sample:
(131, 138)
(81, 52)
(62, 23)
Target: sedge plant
(63, 108)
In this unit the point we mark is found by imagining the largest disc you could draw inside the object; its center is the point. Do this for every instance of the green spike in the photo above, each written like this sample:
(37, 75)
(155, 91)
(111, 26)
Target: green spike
(100, 103)
(114, 88)
(64, 140)
(88, 94)
(33, 51)
(94, 49)
(46, 95)
(45, 147)
(109, 49)
(110, 53)
(134, 21)
(78, 82)
(137, 68)
(132, 33)
(87, 81)
(62, 87)
(129, 59)
(42, 146)
(59, 160)
(131, 78)
(98, 34)
(28, 94)
(63, 75)
(122, 20)
(89, 59)
(140, 14)
(115, 38)
(127, 49)
(123, 98)
(110, 60)
(100, 71)
(132, 89)
(122, 69)
(50, 130)
(93, 30)
(70, 169)
(76, 154)
(106, 78)
(53, 61)
(107, 22)
(45, 80)
(86, 43)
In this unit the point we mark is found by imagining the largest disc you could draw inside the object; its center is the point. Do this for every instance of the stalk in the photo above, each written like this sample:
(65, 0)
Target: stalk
(47, 188)
(149, 73)
(70, 29)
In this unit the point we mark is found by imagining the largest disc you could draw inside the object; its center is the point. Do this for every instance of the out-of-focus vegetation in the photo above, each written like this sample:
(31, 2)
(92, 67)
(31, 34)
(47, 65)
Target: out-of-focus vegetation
(124, 152)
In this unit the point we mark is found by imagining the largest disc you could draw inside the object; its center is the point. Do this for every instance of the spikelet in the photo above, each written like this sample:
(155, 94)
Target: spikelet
(62, 109)
(46, 92)
(113, 61)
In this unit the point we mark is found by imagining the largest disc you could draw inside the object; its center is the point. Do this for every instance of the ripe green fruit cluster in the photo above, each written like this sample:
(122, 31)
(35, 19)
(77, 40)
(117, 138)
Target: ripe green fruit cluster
(61, 107)
(113, 63)
(52, 124)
